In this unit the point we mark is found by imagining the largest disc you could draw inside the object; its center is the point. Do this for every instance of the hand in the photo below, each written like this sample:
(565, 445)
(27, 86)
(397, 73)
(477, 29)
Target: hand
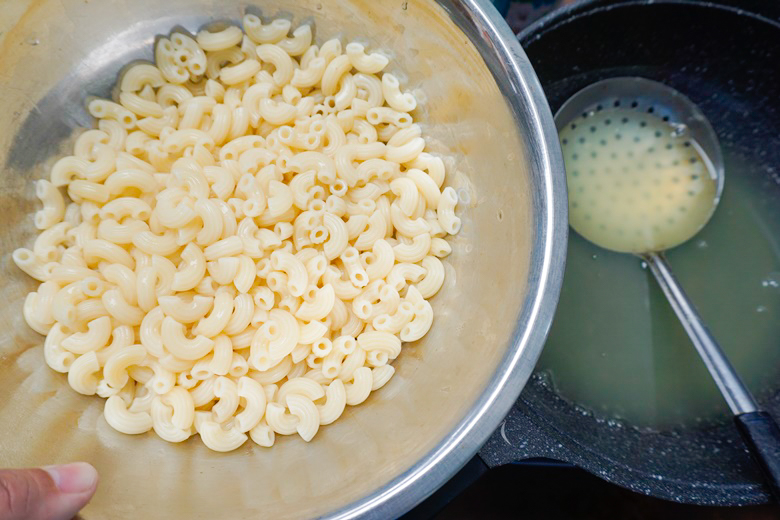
(51, 493)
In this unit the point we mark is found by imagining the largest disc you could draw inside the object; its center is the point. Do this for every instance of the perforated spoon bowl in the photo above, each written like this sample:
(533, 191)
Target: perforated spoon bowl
(645, 173)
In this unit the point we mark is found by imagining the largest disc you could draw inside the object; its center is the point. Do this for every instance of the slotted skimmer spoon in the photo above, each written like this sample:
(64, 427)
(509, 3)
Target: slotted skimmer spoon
(645, 174)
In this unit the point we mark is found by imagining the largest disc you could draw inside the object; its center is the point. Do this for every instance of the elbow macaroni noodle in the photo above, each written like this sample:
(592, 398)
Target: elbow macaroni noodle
(243, 246)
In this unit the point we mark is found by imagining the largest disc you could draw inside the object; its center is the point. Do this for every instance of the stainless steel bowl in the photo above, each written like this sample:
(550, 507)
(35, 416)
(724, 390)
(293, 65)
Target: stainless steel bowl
(482, 106)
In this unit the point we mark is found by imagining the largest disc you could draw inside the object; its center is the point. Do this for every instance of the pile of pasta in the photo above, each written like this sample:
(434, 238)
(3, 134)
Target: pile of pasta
(249, 237)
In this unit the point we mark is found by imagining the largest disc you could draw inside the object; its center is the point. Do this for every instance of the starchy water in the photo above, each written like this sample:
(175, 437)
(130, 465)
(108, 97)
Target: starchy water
(617, 348)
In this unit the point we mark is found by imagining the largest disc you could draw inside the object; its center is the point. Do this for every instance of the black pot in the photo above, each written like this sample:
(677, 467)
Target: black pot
(725, 56)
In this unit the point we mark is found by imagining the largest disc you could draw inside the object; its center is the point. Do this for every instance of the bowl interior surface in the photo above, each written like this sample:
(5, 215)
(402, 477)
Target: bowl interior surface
(55, 54)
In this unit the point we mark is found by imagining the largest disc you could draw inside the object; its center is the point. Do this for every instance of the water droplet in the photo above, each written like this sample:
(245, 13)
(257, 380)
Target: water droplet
(33, 41)
(594, 257)
(643, 264)
(772, 281)
(761, 309)
(702, 244)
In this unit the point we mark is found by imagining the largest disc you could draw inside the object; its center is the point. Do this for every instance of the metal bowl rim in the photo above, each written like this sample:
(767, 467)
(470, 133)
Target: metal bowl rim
(525, 96)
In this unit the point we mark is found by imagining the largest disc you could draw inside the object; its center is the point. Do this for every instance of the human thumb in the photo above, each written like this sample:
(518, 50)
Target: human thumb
(50, 493)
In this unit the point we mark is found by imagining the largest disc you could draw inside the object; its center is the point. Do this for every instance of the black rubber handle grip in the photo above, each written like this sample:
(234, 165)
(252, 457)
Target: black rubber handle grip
(762, 436)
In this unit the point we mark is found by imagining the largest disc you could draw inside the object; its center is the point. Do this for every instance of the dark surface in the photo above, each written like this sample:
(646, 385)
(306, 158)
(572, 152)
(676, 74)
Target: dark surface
(560, 493)
(728, 62)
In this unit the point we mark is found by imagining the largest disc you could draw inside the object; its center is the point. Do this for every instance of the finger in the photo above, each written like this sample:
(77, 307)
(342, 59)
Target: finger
(52, 493)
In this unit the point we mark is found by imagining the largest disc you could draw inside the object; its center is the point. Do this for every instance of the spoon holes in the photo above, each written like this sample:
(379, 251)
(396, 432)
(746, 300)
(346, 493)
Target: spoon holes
(687, 144)
(642, 124)
(592, 129)
(634, 104)
(665, 119)
(669, 146)
(624, 120)
(658, 133)
(650, 110)
(565, 142)
(694, 177)
(616, 103)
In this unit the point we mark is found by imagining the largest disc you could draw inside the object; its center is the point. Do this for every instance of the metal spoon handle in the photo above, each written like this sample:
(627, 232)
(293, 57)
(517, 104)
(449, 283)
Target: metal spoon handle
(729, 383)
(757, 428)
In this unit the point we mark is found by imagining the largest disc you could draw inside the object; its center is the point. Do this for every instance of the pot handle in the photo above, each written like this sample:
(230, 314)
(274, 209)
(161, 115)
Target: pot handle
(518, 438)
(762, 436)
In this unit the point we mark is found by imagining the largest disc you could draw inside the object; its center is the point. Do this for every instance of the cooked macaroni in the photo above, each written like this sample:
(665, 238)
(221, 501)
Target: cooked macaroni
(244, 244)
